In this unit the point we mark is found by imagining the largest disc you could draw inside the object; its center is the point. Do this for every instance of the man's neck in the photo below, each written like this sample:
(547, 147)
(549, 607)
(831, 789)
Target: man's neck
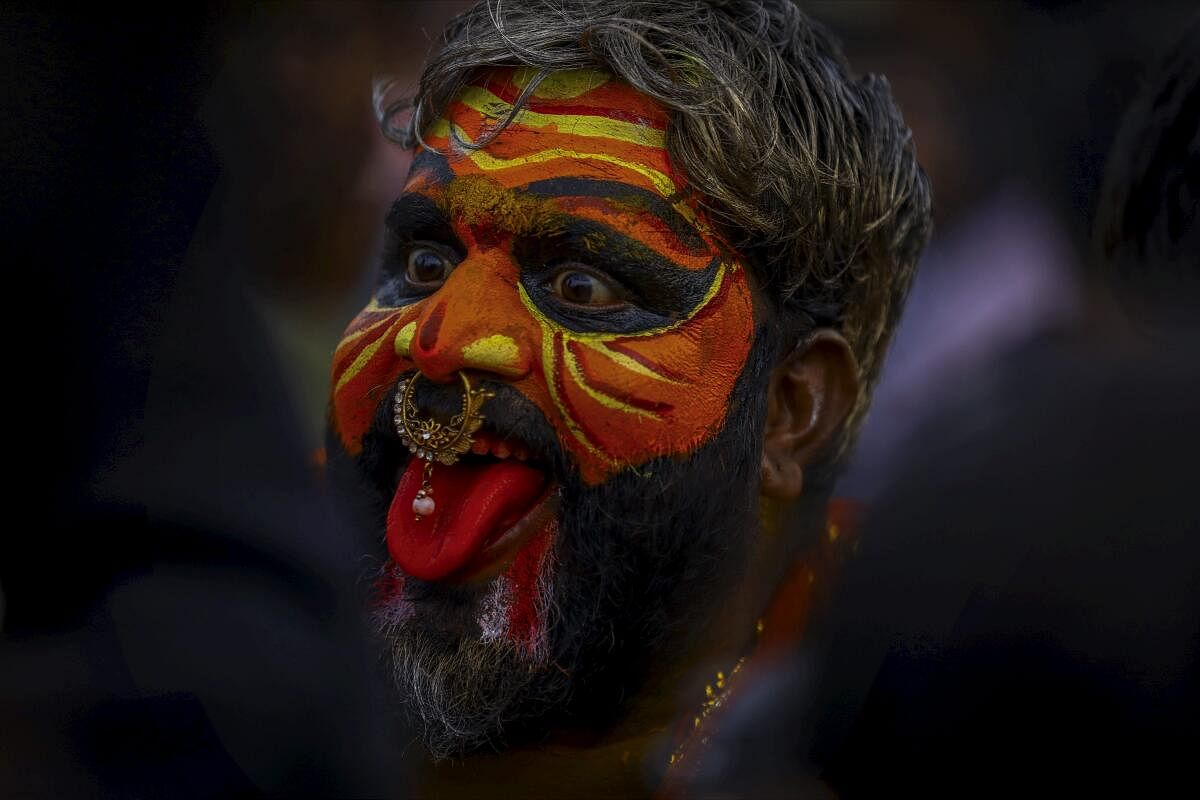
(783, 534)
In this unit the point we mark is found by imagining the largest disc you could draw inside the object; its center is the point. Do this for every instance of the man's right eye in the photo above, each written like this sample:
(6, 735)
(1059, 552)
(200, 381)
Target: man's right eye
(427, 269)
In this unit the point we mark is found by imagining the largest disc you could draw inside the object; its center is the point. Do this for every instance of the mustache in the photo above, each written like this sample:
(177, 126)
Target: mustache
(508, 414)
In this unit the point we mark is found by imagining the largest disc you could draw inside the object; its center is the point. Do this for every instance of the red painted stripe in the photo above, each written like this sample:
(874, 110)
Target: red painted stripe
(659, 408)
(658, 369)
(561, 386)
(427, 339)
(524, 618)
(509, 92)
(389, 586)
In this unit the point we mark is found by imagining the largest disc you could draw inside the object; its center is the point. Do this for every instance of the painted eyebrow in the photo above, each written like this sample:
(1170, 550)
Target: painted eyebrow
(655, 278)
(625, 258)
(615, 190)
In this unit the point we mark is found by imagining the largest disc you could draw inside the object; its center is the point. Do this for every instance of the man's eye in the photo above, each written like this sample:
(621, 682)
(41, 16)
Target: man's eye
(427, 268)
(583, 289)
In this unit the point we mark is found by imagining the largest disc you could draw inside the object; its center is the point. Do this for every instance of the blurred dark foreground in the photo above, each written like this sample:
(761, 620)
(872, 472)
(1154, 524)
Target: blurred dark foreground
(181, 607)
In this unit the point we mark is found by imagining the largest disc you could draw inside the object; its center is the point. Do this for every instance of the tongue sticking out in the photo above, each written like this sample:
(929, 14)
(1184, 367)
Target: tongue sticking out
(475, 502)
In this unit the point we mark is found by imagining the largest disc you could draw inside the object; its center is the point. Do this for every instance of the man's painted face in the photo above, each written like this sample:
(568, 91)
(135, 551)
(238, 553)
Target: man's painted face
(565, 258)
(566, 266)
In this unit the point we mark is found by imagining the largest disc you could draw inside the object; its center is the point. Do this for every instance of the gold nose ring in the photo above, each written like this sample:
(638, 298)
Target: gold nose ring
(434, 442)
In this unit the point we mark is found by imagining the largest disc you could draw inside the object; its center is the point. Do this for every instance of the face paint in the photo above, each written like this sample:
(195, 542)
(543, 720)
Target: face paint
(580, 181)
(566, 266)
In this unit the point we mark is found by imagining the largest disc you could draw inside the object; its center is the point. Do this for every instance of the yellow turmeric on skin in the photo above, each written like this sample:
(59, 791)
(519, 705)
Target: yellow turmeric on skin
(477, 199)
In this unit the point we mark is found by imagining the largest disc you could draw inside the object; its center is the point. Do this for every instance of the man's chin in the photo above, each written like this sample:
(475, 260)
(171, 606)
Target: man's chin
(469, 680)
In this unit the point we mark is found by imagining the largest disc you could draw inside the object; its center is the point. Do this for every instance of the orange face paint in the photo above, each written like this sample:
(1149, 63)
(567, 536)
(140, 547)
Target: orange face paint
(582, 170)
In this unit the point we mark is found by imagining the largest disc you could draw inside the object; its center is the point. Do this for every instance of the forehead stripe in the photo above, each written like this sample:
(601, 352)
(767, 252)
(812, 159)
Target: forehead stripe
(577, 124)
(489, 163)
(608, 99)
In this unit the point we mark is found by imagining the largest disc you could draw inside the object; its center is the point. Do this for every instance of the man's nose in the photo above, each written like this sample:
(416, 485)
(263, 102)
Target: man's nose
(475, 321)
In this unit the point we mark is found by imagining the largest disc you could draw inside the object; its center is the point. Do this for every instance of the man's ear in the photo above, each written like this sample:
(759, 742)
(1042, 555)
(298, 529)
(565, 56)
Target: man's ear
(810, 395)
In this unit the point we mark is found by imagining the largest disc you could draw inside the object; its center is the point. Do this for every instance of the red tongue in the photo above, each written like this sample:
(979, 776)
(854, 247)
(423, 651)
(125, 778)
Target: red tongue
(474, 500)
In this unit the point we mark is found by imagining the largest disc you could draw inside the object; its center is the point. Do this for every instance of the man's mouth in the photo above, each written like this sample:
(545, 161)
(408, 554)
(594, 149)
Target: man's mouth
(488, 505)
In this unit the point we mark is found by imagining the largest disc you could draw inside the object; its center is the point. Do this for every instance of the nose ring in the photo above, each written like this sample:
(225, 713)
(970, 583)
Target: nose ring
(434, 442)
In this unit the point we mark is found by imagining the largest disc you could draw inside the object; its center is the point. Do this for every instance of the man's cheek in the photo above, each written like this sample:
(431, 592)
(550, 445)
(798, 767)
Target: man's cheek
(622, 400)
(365, 365)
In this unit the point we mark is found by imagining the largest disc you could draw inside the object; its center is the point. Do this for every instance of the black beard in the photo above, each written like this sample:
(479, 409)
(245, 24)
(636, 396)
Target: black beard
(638, 566)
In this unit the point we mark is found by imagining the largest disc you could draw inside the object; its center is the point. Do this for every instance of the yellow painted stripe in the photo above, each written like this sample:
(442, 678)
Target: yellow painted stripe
(352, 371)
(601, 398)
(488, 104)
(562, 84)
(358, 334)
(551, 385)
(628, 363)
(489, 163)
(496, 352)
(403, 340)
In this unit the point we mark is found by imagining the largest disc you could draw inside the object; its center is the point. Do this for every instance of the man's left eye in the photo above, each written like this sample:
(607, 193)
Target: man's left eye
(583, 289)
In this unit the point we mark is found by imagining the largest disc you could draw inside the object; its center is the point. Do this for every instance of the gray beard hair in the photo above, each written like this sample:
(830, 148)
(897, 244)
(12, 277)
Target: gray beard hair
(461, 691)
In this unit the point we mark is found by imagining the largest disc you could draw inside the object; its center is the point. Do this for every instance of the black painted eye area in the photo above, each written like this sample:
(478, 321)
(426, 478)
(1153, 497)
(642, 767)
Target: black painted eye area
(427, 268)
(583, 289)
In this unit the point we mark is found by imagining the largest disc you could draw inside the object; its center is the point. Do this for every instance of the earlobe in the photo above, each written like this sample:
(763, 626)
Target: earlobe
(781, 478)
(811, 393)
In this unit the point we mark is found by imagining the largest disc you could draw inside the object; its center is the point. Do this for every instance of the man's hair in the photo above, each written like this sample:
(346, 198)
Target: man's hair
(808, 172)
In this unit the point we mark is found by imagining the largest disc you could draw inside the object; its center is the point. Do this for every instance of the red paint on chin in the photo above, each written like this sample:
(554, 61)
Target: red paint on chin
(525, 578)
(389, 586)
